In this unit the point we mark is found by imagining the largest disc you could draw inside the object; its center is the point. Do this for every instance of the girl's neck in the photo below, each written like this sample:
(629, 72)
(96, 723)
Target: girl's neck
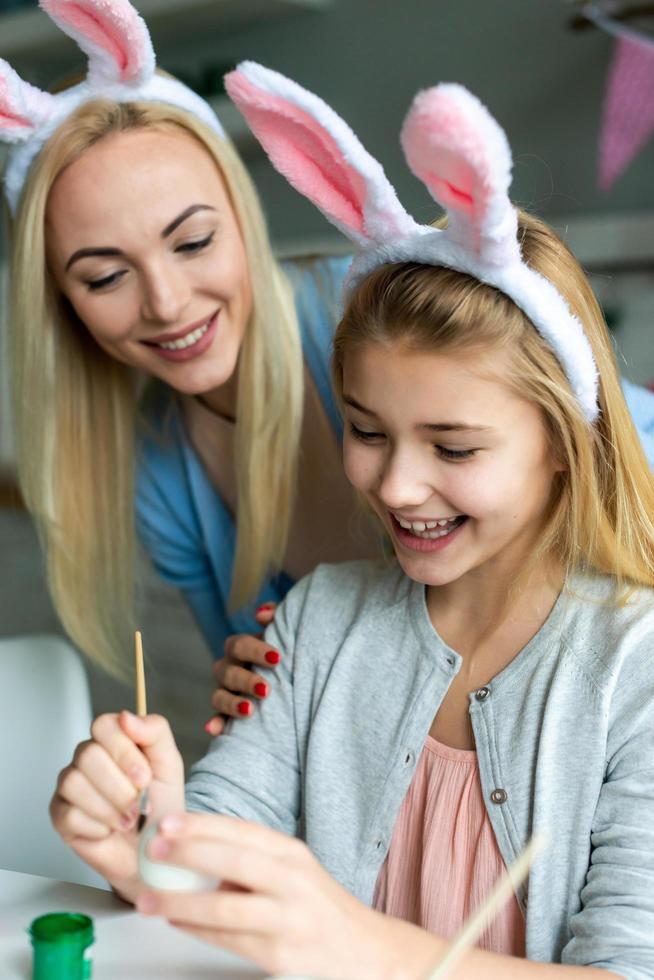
(483, 607)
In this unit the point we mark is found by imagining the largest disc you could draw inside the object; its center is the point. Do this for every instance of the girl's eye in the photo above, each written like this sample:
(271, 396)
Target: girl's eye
(362, 435)
(95, 284)
(453, 454)
(196, 246)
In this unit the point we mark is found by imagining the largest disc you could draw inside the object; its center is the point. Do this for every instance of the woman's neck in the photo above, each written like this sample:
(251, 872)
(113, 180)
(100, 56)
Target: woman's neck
(222, 401)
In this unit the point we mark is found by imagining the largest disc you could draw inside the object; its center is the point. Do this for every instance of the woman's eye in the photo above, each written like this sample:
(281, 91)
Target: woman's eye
(95, 284)
(197, 245)
(446, 453)
(362, 435)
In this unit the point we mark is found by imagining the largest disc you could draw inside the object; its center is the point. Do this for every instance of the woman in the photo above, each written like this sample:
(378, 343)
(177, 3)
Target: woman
(140, 254)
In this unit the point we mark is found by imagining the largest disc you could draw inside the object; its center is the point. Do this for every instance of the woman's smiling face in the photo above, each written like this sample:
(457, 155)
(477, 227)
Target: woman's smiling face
(143, 241)
(458, 468)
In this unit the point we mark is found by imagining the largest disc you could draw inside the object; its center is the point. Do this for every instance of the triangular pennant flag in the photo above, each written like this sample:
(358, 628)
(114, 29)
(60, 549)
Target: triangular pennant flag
(628, 115)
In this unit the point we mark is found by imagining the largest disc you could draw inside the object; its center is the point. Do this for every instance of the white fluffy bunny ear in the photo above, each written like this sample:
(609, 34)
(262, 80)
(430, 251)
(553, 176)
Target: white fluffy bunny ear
(455, 147)
(22, 106)
(113, 36)
(319, 155)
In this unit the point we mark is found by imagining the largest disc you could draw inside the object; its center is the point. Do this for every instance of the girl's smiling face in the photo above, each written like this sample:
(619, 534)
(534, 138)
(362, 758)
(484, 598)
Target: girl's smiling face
(144, 243)
(458, 468)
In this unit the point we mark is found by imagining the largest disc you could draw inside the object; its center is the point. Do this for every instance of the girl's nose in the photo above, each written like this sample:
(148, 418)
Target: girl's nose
(166, 294)
(403, 482)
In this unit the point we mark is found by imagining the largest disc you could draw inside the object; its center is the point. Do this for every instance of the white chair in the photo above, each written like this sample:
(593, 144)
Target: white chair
(45, 710)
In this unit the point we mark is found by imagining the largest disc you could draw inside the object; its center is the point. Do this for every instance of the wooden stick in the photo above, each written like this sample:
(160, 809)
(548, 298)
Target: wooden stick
(477, 922)
(141, 701)
(141, 710)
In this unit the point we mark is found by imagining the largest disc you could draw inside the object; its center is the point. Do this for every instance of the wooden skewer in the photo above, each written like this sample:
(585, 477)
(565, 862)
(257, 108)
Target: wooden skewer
(141, 702)
(141, 710)
(477, 922)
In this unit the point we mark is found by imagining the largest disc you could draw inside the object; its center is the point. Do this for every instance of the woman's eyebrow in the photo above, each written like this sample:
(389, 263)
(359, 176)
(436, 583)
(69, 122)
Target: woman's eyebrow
(429, 426)
(84, 253)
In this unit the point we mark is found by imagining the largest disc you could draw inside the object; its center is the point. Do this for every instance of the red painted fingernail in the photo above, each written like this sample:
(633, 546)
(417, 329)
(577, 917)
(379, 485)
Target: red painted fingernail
(261, 689)
(273, 657)
(265, 605)
(209, 727)
(244, 708)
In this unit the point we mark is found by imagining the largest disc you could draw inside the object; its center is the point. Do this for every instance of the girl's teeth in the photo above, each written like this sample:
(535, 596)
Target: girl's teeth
(187, 341)
(425, 529)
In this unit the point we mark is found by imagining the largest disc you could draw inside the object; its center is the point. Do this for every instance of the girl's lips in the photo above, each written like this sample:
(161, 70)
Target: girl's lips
(423, 545)
(195, 350)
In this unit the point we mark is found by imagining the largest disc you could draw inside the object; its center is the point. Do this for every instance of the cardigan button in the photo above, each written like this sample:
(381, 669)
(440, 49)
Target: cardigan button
(409, 759)
(482, 693)
(499, 796)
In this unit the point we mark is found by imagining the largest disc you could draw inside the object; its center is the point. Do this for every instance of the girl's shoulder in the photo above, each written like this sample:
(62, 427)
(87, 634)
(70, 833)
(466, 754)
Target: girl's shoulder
(610, 632)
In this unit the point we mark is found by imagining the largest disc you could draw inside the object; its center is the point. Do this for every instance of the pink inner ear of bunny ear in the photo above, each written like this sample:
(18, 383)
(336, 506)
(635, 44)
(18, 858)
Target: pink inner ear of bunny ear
(457, 149)
(10, 119)
(303, 151)
(114, 26)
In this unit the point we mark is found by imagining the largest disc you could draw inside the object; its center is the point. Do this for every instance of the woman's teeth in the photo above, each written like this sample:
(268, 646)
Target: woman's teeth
(187, 341)
(430, 529)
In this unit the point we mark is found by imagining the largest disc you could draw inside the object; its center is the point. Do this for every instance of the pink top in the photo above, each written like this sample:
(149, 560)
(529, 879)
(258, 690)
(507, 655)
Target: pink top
(444, 859)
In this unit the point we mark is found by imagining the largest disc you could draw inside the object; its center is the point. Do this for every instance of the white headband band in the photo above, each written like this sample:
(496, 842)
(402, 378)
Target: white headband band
(121, 68)
(452, 144)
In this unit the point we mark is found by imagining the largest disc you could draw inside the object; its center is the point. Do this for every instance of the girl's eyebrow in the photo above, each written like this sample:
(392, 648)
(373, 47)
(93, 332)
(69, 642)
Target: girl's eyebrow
(429, 426)
(84, 253)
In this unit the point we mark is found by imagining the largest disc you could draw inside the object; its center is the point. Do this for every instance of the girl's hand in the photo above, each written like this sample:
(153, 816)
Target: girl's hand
(235, 680)
(95, 807)
(281, 909)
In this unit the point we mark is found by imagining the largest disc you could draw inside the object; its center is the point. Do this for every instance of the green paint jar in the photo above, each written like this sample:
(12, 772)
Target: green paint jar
(62, 942)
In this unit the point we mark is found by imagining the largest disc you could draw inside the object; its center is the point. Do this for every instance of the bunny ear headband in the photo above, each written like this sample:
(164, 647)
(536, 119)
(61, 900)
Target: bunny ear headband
(121, 67)
(452, 144)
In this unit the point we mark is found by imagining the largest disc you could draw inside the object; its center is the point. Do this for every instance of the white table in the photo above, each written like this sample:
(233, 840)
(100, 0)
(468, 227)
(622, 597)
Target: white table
(127, 945)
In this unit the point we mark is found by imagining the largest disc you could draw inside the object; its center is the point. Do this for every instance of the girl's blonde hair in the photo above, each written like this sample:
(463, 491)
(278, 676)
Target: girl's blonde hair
(602, 508)
(76, 407)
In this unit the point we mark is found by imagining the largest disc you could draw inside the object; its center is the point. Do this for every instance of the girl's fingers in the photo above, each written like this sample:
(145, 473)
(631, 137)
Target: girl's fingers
(242, 835)
(154, 736)
(228, 910)
(102, 778)
(108, 734)
(76, 789)
(71, 822)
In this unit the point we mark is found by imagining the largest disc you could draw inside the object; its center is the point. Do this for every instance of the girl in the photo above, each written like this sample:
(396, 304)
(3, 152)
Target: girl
(139, 253)
(432, 714)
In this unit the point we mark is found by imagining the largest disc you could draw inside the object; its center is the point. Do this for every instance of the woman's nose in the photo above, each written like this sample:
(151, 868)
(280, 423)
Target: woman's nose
(166, 294)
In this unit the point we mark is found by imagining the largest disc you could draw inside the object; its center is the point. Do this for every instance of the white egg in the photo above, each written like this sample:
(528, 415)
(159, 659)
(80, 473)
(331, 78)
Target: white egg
(170, 877)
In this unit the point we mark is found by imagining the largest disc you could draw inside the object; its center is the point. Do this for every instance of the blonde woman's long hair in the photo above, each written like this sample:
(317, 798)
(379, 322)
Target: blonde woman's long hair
(602, 508)
(75, 407)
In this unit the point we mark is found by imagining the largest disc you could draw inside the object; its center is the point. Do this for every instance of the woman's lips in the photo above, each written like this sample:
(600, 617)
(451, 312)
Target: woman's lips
(194, 350)
(424, 545)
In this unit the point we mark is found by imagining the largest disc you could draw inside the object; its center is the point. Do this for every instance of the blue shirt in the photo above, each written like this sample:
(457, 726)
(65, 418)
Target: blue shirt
(187, 530)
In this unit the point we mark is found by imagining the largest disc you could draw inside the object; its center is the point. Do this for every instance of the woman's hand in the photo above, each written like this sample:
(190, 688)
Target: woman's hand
(280, 908)
(95, 807)
(235, 680)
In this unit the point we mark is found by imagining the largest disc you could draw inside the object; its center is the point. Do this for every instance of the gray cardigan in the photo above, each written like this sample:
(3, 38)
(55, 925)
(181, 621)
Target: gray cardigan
(564, 736)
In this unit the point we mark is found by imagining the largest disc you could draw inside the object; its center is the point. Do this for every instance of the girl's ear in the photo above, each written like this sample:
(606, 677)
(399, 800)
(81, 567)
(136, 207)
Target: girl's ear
(22, 106)
(111, 34)
(455, 147)
(319, 155)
